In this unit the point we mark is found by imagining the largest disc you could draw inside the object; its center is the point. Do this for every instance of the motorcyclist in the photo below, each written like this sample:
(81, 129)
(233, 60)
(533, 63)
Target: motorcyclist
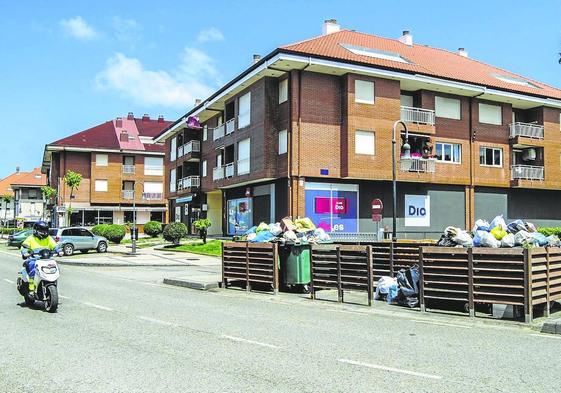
(40, 239)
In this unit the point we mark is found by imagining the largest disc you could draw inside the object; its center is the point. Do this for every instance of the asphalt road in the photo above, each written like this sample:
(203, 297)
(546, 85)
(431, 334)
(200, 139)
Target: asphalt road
(119, 330)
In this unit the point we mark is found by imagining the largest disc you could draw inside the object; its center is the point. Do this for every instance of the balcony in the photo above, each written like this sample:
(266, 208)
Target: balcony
(218, 173)
(128, 194)
(527, 130)
(243, 166)
(230, 126)
(218, 132)
(152, 196)
(190, 182)
(189, 148)
(417, 115)
(527, 172)
(418, 165)
(129, 169)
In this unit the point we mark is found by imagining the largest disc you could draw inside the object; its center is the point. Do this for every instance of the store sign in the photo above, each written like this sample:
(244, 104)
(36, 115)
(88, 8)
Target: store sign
(417, 210)
(325, 205)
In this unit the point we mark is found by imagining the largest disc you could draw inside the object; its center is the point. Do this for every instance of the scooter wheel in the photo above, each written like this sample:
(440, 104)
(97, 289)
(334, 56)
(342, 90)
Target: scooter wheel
(51, 298)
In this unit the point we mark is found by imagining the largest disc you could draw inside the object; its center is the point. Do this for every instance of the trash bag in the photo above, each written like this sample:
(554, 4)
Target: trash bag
(445, 241)
(275, 229)
(539, 239)
(304, 225)
(477, 238)
(261, 227)
(451, 231)
(408, 282)
(481, 225)
(262, 237)
(290, 236)
(507, 241)
(383, 287)
(488, 240)
(516, 226)
(498, 232)
(530, 227)
(321, 235)
(521, 238)
(393, 291)
(553, 241)
(499, 221)
(463, 239)
(250, 236)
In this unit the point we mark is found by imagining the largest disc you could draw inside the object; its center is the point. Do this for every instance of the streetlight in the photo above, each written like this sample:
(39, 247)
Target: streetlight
(134, 229)
(406, 156)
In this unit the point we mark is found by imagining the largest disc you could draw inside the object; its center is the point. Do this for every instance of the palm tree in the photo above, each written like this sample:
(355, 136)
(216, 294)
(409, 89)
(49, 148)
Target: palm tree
(72, 180)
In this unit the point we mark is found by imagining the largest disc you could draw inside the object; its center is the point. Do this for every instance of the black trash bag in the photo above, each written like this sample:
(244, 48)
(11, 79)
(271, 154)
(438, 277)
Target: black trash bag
(408, 283)
(446, 241)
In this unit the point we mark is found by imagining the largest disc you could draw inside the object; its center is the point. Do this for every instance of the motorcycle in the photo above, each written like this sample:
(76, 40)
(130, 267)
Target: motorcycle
(45, 280)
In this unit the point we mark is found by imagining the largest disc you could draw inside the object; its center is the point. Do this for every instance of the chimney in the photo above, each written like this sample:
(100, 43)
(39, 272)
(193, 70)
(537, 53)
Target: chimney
(463, 52)
(198, 101)
(406, 38)
(124, 137)
(330, 26)
(256, 58)
(17, 169)
(119, 122)
(130, 116)
(145, 117)
(160, 119)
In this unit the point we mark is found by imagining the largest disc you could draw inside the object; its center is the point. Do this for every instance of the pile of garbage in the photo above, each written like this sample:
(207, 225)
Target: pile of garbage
(498, 234)
(403, 289)
(299, 231)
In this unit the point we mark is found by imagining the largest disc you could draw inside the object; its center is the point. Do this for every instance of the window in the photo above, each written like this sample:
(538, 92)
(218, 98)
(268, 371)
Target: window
(364, 92)
(244, 116)
(489, 156)
(205, 132)
(243, 157)
(378, 54)
(447, 107)
(173, 149)
(204, 168)
(283, 142)
(449, 152)
(153, 187)
(490, 114)
(101, 159)
(154, 166)
(406, 100)
(101, 185)
(364, 142)
(283, 91)
(514, 80)
(172, 180)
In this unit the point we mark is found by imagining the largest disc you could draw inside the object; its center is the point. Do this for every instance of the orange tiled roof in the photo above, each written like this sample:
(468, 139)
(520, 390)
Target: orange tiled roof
(33, 178)
(425, 60)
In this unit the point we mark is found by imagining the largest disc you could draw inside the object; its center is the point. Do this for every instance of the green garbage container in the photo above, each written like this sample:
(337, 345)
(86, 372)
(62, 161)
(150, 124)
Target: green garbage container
(295, 266)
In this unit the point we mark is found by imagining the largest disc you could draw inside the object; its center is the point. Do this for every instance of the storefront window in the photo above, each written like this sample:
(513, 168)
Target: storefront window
(333, 207)
(239, 216)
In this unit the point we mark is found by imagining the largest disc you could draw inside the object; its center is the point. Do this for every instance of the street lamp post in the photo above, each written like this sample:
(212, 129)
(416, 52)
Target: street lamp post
(134, 229)
(406, 156)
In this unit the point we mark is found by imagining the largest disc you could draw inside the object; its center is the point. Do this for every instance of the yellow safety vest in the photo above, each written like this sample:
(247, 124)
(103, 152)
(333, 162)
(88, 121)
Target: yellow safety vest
(33, 243)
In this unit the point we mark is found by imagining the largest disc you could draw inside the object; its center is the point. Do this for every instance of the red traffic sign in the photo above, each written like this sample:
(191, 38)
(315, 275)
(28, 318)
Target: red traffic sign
(376, 217)
(377, 206)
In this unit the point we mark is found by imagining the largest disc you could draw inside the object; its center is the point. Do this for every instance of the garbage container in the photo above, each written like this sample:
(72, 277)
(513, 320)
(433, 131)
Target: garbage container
(295, 266)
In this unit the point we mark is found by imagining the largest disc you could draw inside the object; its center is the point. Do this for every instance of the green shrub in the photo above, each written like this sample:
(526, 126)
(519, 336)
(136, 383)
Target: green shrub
(115, 233)
(153, 228)
(550, 231)
(174, 231)
(203, 223)
(101, 229)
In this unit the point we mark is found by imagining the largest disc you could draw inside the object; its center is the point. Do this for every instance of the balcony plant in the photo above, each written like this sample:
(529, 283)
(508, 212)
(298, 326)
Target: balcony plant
(202, 226)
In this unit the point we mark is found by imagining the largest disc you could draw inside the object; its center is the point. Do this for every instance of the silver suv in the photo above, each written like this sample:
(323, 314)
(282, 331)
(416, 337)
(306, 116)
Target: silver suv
(78, 238)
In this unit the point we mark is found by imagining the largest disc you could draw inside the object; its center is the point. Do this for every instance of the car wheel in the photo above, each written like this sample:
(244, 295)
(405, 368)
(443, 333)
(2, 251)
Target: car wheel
(68, 249)
(102, 247)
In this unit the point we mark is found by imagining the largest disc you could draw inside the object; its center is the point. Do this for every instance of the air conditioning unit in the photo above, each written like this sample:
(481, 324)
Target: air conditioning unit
(529, 155)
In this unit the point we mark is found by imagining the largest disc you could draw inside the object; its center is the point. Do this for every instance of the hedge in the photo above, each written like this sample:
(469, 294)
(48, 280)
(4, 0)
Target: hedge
(101, 229)
(550, 231)
(113, 232)
(153, 228)
(174, 231)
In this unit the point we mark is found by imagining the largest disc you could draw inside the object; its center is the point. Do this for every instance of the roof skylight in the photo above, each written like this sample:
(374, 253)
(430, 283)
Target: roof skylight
(514, 80)
(378, 54)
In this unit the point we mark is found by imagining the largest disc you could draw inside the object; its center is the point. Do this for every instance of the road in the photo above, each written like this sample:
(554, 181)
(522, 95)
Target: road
(120, 330)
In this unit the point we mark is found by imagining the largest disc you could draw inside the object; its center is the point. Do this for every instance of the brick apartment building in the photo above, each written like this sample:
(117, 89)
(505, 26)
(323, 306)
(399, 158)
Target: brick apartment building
(120, 164)
(25, 188)
(307, 131)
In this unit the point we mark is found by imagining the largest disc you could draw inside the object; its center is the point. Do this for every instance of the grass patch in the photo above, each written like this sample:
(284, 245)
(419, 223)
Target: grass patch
(142, 240)
(212, 247)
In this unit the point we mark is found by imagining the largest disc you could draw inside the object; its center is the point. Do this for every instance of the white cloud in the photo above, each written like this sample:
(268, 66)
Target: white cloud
(195, 77)
(78, 28)
(126, 30)
(211, 34)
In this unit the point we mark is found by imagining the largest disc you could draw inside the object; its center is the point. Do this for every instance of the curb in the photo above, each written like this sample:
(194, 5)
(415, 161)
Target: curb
(202, 286)
(101, 264)
(552, 327)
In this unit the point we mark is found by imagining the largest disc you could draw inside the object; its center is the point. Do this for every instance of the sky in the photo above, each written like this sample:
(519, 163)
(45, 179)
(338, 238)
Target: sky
(66, 66)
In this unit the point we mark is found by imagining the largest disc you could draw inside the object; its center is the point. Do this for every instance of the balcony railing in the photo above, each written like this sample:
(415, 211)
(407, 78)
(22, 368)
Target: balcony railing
(230, 126)
(218, 173)
(193, 146)
(190, 182)
(243, 166)
(419, 165)
(417, 115)
(229, 170)
(528, 130)
(527, 172)
(128, 194)
(152, 196)
(129, 169)
(218, 132)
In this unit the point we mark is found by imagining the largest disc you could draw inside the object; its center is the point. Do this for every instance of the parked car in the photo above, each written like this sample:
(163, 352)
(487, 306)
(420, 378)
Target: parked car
(78, 238)
(17, 238)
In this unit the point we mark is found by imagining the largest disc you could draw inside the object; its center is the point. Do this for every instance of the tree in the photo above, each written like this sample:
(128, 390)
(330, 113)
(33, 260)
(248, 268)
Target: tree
(48, 193)
(72, 180)
(202, 225)
(6, 198)
(174, 231)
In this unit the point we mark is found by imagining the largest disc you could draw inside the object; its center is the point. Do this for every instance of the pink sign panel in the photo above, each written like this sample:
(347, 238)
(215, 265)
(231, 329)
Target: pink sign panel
(326, 205)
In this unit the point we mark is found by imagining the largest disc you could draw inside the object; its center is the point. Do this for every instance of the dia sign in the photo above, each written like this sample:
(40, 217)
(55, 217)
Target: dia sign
(417, 210)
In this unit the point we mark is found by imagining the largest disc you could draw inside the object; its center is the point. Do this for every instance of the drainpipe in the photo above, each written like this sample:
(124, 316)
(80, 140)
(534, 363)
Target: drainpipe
(300, 127)
(471, 198)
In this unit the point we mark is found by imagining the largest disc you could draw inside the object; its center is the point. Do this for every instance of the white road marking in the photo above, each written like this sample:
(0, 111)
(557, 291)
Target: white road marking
(390, 369)
(158, 321)
(546, 336)
(442, 324)
(243, 340)
(98, 306)
(9, 281)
